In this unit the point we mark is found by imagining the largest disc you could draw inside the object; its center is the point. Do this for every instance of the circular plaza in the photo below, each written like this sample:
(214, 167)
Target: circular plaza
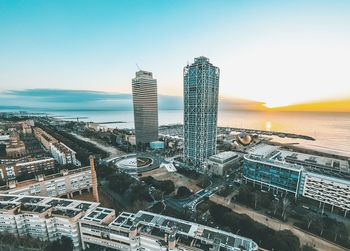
(136, 163)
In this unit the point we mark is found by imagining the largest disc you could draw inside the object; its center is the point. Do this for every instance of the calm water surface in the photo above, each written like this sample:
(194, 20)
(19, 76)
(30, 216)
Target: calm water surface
(331, 130)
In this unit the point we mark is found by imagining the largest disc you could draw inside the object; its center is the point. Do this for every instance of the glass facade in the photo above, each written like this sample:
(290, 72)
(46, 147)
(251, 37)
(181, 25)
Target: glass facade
(201, 89)
(270, 174)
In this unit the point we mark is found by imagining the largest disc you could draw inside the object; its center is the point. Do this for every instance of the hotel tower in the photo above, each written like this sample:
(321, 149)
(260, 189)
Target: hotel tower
(201, 89)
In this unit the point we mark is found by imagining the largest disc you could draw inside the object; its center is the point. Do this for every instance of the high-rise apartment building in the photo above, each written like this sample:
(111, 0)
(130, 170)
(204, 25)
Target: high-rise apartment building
(201, 90)
(144, 91)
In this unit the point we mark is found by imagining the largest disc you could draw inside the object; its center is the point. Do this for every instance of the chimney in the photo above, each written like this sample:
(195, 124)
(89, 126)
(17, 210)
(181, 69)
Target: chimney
(94, 178)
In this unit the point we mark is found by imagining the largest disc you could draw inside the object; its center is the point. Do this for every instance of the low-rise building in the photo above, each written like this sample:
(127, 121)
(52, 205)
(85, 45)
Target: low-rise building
(45, 218)
(324, 179)
(27, 127)
(65, 183)
(131, 139)
(26, 166)
(154, 232)
(63, 154)
(44, 138)
(15, 148)
(327, 190)
(222, 163)
(154, 145)
(89, 225)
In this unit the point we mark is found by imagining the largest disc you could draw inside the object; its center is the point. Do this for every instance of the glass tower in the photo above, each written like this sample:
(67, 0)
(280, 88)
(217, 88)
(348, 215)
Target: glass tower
(201, 90)
(144, 92)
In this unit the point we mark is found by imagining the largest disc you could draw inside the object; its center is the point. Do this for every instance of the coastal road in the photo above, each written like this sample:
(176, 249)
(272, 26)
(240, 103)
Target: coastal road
(305, 238)
(112, 151)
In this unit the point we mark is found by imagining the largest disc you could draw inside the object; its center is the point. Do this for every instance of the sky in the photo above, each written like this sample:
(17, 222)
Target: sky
(271, 54)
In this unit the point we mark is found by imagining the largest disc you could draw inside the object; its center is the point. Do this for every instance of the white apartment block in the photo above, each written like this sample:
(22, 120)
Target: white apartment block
(65, 183)
(17, 167)
(89, 225)
(154, 232)
(63, 154)
(327, 189)
(45, 218)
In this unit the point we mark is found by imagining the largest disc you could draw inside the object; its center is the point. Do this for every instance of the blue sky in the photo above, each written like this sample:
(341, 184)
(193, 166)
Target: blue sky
(267, 50)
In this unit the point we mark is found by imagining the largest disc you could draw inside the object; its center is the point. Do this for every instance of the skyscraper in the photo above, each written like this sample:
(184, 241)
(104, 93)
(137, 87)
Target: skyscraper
(144, 91)
(201, 90)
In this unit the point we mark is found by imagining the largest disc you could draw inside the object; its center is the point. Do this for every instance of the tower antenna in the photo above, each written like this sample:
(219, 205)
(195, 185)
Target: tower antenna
(138, 67)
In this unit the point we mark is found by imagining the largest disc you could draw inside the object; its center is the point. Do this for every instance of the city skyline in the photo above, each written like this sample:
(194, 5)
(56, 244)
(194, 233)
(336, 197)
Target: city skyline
(175, 125)
(274, 53)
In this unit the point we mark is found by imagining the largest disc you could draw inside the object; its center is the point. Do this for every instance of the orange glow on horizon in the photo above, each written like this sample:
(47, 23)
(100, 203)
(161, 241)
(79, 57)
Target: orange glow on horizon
(336, 105)
(332, 105)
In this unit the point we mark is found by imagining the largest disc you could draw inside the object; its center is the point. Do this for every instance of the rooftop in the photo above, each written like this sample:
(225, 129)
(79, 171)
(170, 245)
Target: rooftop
(263, 150)
(26, 183)
(144, 74)
(298, 160)
(99, 214)
(38, 204)
(33, 162)
(334, 163)
(63, 148)
(224, 156)
(158, 225)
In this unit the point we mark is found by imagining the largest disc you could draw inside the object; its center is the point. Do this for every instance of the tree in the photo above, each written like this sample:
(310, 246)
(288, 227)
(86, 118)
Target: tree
(2, 150)
(320, 225)
(256, 199)
(285, 206)
(285, 240)
(204, 181)
(245, 195)
(120, 182)
(64, 244)
(156, 194)
(275, 205)
(309, 218)
(183, 192)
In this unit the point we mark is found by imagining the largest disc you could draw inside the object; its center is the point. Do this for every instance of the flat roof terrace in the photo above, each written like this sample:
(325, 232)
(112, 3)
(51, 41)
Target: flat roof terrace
(50, 202)
(99, 214)
(34, 208)
(8, 206)
(60, 203)
(152, 222)
(124, 220)
(69, 213)
(224, 157)
(309, 159)
(4, 197)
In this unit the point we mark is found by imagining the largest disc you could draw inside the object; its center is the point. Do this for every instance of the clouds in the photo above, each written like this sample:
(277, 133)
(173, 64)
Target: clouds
(62, 99)
(74, 100)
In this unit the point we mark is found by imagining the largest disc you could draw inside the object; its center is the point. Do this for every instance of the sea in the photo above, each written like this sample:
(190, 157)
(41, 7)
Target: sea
(331, 130)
